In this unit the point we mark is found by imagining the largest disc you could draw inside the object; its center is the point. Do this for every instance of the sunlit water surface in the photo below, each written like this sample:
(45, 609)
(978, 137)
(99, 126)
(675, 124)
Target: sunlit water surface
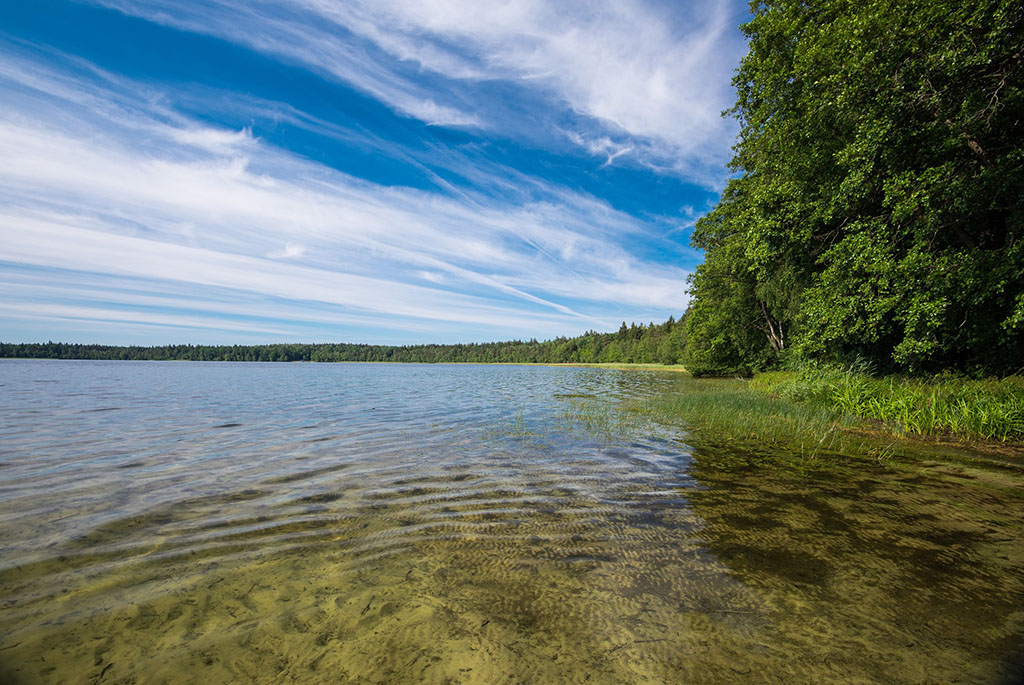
(183, 522)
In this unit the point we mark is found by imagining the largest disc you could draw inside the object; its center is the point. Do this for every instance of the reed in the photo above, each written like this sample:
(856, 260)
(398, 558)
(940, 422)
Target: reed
(991, 409)
(726, 411)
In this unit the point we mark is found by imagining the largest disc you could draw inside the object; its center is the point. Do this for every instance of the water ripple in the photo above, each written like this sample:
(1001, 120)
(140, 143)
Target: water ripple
(163, 522)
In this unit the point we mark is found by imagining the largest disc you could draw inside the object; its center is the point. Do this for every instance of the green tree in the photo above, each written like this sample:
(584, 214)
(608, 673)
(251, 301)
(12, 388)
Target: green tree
(878, 210)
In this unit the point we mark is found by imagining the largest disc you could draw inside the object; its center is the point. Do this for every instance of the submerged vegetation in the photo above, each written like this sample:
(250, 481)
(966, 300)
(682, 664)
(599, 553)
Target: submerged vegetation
(724, 411)
(482, 525)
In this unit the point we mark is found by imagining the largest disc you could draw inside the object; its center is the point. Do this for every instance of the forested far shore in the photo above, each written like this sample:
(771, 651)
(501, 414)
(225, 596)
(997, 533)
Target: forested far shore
(634, 344)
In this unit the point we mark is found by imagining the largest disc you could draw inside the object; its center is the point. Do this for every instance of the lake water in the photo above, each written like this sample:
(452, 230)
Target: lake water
(183, 522)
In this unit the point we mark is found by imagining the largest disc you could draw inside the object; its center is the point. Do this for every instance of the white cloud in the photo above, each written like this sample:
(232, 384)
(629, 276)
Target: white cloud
(98, 181)
(50, 311)
(290, 251)
(33, 241)
(438, 115)
(657, 74)
(432, 276)
(634, 64)
(212, 140)
(32, 291)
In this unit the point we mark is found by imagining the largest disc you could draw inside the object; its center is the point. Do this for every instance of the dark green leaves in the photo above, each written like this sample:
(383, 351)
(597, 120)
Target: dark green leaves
(878, 215)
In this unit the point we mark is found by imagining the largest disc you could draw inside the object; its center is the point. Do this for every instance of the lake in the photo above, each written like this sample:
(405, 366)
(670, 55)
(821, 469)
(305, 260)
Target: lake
(182, 522)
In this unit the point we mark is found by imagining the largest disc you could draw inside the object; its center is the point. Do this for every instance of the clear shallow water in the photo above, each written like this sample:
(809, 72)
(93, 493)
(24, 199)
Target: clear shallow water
(178, 522)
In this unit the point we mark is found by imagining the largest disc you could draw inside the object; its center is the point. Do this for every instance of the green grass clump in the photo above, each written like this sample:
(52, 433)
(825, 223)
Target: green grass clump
(596, 418)
(718, 411)
(990, 409)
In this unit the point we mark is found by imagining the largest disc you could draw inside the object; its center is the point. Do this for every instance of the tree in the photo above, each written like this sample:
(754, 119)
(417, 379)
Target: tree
(878, 210)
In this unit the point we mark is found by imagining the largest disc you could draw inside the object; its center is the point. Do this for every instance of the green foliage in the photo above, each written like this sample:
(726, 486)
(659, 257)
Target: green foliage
(988, 409)
(878, 212)
(635, 344)
(725, 412)
(722, 322)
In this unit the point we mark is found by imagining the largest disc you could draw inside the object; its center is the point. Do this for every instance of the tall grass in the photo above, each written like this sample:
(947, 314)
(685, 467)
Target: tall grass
(975, 409)
(720, 411)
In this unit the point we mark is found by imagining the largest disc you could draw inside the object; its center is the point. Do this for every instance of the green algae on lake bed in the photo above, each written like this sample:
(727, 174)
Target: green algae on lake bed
(524, 538)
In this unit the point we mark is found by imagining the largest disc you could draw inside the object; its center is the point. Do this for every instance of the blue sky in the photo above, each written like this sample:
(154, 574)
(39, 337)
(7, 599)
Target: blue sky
(387, 171)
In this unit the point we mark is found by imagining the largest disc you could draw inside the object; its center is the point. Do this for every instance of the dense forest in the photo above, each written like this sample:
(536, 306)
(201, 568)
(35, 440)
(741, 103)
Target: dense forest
(643, 344)
(876, 211)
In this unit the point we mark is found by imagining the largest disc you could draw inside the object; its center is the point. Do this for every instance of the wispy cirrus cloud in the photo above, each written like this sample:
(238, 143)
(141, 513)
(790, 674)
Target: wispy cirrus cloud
(648, 79)
(107, 183)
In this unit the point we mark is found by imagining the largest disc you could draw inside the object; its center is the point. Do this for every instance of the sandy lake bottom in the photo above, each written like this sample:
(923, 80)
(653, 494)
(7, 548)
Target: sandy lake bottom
(170, 523)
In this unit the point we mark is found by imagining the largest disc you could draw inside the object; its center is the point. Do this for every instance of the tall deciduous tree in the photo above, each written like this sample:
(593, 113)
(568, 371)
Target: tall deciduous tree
(878, 211)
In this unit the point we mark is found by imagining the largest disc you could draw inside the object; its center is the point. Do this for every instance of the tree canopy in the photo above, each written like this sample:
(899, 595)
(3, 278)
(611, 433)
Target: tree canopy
(876, 212)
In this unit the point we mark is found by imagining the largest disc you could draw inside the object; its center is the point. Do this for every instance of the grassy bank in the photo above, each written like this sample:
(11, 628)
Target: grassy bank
(967, 409)
(844, 410)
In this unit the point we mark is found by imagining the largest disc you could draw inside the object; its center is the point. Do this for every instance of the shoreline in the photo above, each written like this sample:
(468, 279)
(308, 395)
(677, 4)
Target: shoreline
(677, 368)
(864, 427)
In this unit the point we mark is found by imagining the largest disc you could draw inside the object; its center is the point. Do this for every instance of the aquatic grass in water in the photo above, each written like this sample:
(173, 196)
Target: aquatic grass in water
(722, 411)
(583, 417)
(597, 419)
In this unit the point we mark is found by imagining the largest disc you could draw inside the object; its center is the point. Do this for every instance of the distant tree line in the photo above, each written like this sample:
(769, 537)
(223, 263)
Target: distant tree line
(637, 343)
